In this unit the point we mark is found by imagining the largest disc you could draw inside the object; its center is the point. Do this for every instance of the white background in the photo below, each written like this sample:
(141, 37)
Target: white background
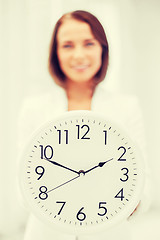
(133, 31)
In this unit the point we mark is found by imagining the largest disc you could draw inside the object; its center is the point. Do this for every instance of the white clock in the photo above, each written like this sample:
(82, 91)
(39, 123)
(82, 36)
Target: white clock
(81, 173)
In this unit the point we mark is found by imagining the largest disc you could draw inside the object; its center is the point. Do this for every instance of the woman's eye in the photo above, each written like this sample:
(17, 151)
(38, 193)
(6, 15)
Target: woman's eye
(89, 44)
(67, 46)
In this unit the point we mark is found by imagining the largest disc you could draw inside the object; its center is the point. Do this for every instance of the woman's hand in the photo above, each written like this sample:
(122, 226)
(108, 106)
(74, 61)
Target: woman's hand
(135, 209)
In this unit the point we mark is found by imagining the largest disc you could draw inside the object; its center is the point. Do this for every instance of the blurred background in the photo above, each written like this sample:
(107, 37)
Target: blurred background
(133, 31)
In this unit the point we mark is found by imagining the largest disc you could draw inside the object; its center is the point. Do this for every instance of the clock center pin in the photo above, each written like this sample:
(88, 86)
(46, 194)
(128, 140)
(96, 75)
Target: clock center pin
(81, 172)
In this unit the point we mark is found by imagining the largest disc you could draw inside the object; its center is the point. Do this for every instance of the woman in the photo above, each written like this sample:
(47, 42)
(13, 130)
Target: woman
(78, 58)
(78, 62)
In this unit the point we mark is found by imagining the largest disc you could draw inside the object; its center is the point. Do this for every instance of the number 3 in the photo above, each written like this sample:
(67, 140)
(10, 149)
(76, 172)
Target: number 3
(125, 174)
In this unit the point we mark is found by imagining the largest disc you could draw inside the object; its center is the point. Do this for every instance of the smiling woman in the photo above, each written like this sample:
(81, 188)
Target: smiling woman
(69, 30)
(78, 57)
(78, 63)
(79, 53)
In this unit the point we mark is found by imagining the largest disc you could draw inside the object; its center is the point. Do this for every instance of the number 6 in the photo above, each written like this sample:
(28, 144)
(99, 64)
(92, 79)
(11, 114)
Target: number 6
(81, 216)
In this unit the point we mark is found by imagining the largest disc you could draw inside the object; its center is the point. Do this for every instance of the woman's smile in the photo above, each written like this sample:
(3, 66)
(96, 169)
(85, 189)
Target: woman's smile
(80, 68)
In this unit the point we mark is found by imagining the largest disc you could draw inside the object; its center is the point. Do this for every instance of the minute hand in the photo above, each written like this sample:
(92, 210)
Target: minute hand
(101, 164)
(60, 165)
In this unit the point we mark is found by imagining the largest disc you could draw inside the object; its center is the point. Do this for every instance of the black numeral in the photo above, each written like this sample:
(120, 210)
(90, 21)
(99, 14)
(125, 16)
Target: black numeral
(60, 136)
(79, 134)
(40, 171)
(105, 137)
(121, 157)
(125, 174)
(104, 209)
(46, 152)
(120, 195)
(43, 193)
(81, 216)
(63, 203)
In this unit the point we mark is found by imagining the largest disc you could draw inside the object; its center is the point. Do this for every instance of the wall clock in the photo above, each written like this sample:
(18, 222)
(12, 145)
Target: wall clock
(81, 173)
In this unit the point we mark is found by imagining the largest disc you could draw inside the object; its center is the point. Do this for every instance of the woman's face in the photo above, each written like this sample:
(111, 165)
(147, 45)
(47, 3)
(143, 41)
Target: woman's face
(79, 53)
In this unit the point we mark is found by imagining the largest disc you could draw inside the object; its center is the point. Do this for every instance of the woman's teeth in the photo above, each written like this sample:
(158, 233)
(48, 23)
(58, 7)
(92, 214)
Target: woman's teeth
(80, 67)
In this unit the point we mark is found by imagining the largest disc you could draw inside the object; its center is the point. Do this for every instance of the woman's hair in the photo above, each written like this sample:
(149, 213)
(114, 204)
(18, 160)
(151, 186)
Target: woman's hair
(99, 34)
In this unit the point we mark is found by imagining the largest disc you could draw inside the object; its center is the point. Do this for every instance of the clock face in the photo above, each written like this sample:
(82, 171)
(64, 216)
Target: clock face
(81, 172)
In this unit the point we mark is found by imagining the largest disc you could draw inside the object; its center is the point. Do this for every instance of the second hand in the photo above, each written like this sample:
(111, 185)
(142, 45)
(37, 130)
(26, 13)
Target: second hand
(63, 183)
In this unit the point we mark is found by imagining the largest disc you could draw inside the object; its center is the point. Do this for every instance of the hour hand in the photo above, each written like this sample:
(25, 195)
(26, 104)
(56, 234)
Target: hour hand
(60, 165)
(101, 164)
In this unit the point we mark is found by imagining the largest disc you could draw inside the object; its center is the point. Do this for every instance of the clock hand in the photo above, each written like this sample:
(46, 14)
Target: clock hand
(60, 165)
(63, 184)
(101, 164)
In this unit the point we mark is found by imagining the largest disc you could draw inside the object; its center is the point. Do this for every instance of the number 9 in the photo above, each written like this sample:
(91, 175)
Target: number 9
(40, 171)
